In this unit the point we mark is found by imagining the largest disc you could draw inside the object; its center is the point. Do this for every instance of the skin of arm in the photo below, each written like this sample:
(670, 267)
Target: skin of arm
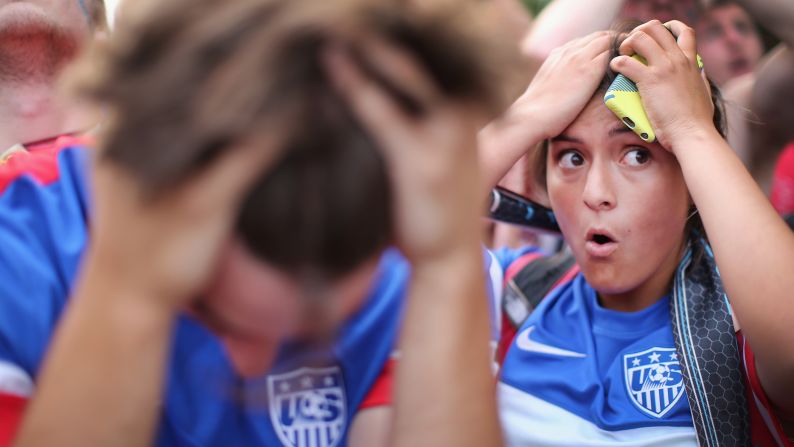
(106, 351)
(371, 427)
(753, 246)
(564, 20)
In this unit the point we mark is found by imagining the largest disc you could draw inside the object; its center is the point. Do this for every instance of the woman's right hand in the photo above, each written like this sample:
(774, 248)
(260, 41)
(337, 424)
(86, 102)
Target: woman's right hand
(566, 81)
(560, 90)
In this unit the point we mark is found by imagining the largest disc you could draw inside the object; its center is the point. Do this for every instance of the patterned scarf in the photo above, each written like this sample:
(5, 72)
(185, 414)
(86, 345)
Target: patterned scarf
(708, 351)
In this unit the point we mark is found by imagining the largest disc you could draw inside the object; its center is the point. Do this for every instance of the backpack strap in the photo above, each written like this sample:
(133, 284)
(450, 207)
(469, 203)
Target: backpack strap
(527, 281)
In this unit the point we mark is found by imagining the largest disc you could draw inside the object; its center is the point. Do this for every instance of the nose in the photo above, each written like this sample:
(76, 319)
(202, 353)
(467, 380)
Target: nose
(599, 194)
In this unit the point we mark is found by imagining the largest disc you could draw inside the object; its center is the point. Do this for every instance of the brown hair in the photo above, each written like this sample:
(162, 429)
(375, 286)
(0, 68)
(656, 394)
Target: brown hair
(190, 78)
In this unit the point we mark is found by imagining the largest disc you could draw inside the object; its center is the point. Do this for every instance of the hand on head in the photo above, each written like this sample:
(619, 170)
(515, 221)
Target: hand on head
(566, 82)
(430, 154)
(167, 244)
(675, 93)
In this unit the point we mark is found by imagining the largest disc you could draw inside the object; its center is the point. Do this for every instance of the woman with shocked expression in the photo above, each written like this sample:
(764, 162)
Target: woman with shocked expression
(622, 204)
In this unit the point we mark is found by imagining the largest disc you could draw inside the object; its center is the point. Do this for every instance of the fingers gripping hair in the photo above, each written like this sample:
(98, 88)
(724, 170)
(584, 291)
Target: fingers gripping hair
(185, 80)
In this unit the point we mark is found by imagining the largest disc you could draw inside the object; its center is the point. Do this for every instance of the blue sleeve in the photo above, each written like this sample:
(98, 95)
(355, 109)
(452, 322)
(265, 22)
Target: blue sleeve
(506, 256)
(496, 263)
(43, 233)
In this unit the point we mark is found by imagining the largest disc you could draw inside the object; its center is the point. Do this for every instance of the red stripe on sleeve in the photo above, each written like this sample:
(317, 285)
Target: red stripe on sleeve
(765, 427)
(381, 392)
(41, 164)
(11, 409)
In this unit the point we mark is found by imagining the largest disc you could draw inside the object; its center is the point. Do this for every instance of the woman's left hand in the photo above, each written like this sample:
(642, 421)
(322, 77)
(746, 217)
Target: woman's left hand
(674, 92)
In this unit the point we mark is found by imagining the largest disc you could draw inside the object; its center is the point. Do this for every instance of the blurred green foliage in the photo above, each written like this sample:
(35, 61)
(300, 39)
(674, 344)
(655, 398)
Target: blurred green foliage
(535, 5)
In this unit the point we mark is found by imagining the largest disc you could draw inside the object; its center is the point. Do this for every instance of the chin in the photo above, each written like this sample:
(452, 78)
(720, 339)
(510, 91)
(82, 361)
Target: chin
(607, 279)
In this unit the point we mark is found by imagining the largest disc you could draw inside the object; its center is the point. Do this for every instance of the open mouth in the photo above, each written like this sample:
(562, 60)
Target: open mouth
(601, 239)
(600, 244)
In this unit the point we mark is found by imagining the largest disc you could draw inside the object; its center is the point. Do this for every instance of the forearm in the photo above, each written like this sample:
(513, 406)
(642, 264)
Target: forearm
(564, 20)
(503, 142)
(754, 250)
(445, 392)
(103, 377)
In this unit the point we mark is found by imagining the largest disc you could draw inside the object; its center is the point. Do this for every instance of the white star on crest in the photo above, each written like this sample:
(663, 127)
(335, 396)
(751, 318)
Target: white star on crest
(284, 386)
(654, 358)
(635, 362)
(328, 381)
(674, 356)
(306, 382)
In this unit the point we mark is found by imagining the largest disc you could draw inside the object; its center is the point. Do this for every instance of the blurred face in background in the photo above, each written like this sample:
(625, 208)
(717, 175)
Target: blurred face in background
(251, 305)
(663, 10)
(729, 42)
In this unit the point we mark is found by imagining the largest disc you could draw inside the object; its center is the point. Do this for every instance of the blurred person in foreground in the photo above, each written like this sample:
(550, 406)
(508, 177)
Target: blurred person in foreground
(252, 222)
(38, 38)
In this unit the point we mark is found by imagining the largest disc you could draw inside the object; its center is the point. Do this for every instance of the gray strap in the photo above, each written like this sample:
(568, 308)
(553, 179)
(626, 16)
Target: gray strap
(708, 352)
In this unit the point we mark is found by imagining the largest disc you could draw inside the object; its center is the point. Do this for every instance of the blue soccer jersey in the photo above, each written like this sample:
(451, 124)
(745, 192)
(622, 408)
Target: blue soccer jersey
(578, 374)
(310, 396)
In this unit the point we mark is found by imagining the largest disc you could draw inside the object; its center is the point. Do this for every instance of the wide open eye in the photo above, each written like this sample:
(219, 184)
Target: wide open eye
(571, 159)
(636, 157)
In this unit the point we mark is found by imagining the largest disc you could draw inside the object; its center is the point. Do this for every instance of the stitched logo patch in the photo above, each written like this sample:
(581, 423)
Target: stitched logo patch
(308, 406)
(653, 380)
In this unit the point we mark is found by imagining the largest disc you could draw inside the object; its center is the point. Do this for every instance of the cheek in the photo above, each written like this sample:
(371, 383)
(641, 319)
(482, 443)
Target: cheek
(658, 210)
(565, 198)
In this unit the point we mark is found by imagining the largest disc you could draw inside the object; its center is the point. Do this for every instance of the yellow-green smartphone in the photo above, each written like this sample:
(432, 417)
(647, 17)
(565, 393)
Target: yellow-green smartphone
(623, 99)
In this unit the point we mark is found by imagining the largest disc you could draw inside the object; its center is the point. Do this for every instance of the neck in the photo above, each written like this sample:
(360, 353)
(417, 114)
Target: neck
(637, 299)
(650, 291)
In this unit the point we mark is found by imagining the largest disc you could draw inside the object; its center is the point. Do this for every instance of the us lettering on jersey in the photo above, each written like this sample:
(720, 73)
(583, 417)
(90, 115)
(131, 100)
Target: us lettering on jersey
(653, 380)
(308, 406)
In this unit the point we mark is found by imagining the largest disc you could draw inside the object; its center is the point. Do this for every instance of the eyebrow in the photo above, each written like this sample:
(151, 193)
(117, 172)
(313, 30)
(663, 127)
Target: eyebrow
(620, 129)
(566, 138)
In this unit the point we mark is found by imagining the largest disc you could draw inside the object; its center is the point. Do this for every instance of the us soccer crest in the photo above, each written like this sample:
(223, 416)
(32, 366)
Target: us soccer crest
(653, 380)
(308, 406)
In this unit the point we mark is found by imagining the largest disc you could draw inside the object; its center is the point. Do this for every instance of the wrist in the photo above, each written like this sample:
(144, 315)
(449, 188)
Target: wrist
(683, 143)
(518, 129)
(456, 263)
(118, 285)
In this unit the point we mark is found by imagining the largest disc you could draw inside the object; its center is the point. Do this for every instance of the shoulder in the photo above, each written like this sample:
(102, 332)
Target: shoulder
(43, 208)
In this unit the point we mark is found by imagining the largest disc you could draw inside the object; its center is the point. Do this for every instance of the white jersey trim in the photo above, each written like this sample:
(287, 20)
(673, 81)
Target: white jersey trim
(14, 380)
(528, 420)
(497, 285)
